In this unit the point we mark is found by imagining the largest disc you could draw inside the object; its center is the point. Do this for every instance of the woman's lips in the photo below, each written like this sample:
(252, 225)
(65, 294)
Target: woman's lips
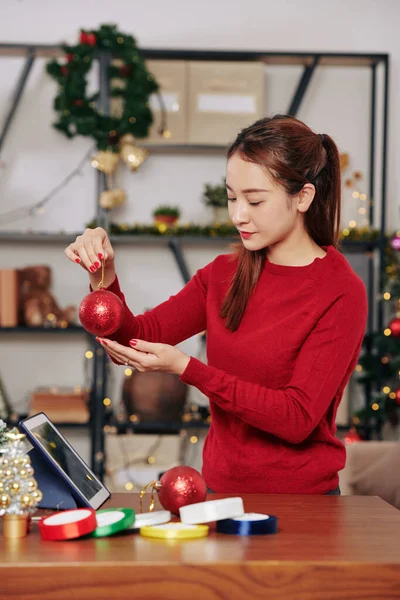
(245, 234)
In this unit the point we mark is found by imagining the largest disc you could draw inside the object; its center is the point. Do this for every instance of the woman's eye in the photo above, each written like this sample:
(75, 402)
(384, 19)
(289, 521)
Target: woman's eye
(254, 203)
(231, 199)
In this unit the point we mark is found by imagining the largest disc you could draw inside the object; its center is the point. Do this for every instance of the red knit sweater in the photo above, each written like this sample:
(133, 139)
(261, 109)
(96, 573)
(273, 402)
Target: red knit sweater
(274, 384)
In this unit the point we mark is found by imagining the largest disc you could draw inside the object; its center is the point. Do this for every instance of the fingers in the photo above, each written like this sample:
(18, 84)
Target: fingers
(139, 360)
(90, 248)
(72, 254)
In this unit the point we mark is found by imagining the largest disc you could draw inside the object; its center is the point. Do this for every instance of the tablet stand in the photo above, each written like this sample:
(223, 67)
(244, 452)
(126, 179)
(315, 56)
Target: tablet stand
(56, 493)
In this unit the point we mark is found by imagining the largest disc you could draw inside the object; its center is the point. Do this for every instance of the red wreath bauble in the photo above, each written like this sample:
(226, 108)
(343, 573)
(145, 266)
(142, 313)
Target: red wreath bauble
(179, 487)
(101, 312)
(394, 327)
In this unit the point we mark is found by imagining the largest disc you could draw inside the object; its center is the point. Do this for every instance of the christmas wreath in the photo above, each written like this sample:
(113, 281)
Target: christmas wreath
(129, 79)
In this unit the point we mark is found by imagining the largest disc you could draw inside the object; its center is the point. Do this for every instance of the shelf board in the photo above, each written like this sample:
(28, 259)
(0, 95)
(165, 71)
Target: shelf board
(157, 240)
(41, 237)
(269, 57)
(46, 330)
(155, 426)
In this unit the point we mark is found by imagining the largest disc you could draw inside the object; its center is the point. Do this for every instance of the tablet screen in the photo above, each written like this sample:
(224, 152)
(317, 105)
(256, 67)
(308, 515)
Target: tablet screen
(74, 468)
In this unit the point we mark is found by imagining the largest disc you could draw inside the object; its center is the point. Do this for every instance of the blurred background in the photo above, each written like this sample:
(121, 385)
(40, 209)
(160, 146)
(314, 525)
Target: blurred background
(193, 76)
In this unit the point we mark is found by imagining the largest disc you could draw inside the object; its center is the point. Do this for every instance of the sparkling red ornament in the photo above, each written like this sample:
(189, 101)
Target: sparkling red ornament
(64, 70)
(91, 39)
(179, 487)
(101, 312)
(70, 57)
(79, 102)
(394, 327)
(87, 38)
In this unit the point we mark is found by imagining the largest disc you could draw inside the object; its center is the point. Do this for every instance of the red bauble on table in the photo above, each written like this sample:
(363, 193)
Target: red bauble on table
(101, 312)
(179, 487)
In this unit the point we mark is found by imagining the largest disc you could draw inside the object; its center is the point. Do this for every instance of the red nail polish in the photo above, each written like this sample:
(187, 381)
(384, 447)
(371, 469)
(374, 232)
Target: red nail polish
(104, 342)
(78, 260)
(133, 342)
(92, 269)
(96, 264)
(100, 256)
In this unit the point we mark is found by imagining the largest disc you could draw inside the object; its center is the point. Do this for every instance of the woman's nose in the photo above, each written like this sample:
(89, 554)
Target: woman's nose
(240, 213)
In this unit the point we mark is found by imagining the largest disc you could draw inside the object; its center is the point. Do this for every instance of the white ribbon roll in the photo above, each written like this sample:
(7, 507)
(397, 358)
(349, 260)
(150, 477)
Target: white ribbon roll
(158, 517)
(213, 510)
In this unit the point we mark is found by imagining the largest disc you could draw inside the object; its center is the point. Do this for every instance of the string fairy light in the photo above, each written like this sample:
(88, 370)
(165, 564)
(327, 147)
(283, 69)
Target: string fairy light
(39, 207)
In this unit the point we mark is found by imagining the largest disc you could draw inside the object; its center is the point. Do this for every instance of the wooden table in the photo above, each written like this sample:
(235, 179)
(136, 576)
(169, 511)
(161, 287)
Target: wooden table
(328, 547)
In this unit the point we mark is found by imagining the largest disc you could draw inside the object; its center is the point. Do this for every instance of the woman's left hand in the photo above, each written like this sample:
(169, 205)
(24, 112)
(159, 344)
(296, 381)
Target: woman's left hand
(146, 356)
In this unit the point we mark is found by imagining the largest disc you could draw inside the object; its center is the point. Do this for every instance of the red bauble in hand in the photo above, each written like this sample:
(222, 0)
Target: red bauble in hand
(179, 487)
(101, 312)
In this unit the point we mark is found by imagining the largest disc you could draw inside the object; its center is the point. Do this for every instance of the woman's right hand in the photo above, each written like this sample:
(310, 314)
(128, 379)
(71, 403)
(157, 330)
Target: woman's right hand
(89, 249)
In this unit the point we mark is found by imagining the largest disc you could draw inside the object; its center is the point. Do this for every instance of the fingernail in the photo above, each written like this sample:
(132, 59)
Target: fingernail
(78, 260)
(96, 264)
(103, 342)
(100, 256)
(92, 269)
(133, 342)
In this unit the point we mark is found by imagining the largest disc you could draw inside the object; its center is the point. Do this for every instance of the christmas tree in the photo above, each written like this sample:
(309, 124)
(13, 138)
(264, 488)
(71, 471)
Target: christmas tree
(379, 366)
(19, 493)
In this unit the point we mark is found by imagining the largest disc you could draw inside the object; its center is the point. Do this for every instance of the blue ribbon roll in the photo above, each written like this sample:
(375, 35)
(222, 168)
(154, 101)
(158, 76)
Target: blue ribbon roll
(249, 524)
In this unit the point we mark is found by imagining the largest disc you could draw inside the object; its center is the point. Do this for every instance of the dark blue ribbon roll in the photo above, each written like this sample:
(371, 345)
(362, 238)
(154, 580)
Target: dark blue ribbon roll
(259, 525)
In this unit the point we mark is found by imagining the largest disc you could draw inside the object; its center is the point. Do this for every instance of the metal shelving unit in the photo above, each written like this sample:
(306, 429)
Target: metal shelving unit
(310, 62)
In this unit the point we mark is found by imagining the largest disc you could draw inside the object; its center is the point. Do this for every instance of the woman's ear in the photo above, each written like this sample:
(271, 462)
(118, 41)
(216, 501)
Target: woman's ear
(305, 197)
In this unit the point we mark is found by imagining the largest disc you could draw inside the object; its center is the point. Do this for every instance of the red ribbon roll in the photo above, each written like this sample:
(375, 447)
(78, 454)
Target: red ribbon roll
(68, 525)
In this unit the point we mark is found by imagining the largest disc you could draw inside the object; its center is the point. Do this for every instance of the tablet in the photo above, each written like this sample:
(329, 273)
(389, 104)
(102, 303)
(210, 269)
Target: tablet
(60, 455)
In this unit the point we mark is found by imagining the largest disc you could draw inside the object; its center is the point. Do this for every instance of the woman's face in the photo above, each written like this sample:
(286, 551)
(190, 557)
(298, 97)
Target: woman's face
(260, 209)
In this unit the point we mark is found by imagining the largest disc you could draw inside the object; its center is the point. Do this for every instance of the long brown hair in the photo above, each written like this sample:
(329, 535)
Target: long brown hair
(294, 155)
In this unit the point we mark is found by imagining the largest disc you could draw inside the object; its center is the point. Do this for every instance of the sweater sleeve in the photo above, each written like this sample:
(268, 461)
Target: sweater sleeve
(323, 366)
(178, 318)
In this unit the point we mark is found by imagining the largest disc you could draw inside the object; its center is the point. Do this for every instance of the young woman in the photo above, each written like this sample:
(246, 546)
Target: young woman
(285, 317)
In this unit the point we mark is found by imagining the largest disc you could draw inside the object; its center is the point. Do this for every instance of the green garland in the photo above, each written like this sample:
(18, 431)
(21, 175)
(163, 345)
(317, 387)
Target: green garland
(226, 230)
(77, 110)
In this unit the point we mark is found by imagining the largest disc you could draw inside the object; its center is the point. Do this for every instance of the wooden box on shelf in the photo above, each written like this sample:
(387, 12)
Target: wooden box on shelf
(172, 78)
(61, 405)
(224, 97)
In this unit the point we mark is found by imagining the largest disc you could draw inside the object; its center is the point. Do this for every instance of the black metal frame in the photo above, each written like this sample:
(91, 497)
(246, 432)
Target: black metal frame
(310, 61)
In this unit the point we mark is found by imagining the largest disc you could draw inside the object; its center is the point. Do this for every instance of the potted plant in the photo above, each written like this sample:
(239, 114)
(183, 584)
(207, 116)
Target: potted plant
(167, 215)
(216, 197)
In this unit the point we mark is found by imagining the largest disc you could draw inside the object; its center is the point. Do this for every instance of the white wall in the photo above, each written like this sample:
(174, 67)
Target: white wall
(37, 157)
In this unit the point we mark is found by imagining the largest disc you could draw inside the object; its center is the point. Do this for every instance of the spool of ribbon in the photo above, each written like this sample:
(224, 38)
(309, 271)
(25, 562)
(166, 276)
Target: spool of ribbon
(113, 520)
(175, 531)
(249, 524)
(213, 510)
(68, 525)
(158, 517)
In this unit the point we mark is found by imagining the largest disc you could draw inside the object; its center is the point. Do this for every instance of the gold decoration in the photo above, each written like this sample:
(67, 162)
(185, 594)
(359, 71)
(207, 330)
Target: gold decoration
(132, 155)
(32, 485)
(26, 500)
(112, 198)
(18, 488)
(105, 161)
(5, 500)
(15, 487)
(15, 526)
(23, 473)
(37, 495)
(344, 161)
